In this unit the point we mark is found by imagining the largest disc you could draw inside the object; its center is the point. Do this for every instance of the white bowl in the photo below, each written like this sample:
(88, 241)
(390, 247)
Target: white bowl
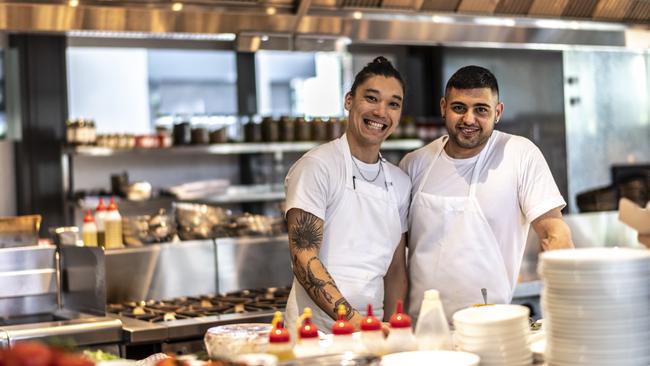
(426, 358)
(501, 315)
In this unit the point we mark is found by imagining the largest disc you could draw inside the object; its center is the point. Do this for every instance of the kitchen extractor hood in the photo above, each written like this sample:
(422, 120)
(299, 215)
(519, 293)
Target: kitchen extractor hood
(322, 24)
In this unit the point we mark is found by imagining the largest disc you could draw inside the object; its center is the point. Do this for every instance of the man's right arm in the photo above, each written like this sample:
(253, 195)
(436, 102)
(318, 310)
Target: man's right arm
(305, 239)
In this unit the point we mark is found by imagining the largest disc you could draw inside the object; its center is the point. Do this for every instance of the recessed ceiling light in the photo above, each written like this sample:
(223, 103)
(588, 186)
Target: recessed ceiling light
(177, 6)
(271, 10)
(73, 3)
(357, 15)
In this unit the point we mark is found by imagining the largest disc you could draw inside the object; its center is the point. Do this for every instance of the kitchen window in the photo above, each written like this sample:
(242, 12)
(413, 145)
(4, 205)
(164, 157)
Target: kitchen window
(299, 83)
(131, 90)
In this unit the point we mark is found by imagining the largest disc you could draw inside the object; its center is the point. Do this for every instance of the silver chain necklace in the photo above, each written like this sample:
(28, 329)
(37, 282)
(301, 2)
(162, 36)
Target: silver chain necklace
(362, 176)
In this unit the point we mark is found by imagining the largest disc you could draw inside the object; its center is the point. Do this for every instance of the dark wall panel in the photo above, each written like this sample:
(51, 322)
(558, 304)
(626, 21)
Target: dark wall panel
(43, 101)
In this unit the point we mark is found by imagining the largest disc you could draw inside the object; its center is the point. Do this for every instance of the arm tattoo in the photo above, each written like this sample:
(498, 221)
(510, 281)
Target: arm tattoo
(348, 307)
(307, 234)
(310, 282)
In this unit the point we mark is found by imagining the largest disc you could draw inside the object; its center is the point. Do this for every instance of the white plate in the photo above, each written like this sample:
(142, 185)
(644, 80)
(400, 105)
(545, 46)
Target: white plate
(427, 358)
(594, 258)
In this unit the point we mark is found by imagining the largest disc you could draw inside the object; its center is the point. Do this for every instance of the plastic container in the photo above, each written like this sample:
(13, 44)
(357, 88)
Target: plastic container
(432, 328)
(372, 336)
(89, 230)
(279, 340)
(308, 341)
(100, 217)
(400, 338)
(342, 330)
(113, 226)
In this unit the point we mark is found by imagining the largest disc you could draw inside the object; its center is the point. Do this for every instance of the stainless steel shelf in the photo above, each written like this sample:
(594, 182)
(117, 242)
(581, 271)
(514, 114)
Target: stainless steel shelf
(233, 194)
(230, 148)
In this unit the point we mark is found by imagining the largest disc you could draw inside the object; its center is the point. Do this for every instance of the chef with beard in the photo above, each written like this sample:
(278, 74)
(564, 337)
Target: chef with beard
(475, 194)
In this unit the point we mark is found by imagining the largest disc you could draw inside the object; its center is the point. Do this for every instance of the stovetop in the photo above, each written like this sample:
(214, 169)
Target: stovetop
(190, 317)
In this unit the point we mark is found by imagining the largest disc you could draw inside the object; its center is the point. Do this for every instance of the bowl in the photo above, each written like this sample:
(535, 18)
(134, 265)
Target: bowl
(232, 340)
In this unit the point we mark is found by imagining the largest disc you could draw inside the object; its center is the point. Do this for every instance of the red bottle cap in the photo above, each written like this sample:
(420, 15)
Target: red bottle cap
(399, 319)
(370, 322)
(89, 217)
(100, 205)
(342, 326)
(308, 329)
(279, 334)
(112, 206)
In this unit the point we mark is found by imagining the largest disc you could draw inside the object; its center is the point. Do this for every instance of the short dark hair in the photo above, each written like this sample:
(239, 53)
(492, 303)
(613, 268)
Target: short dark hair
(472, 77)
(379, 66)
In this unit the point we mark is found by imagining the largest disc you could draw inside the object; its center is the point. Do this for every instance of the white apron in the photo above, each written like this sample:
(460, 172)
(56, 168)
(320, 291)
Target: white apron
(452, 248)
(359, 240)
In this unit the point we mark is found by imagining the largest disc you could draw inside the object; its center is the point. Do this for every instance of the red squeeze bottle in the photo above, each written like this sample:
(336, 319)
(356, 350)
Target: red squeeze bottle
(280, 340)
(342, 331)
(400, 338)
(372, 336)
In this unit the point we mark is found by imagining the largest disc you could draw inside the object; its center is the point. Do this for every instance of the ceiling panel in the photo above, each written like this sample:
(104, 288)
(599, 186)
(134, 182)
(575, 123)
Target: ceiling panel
(639, 11)
(513, 7)
(551, 8)
(612, 9)
(477, 6)
(440, 5)
(580, 8)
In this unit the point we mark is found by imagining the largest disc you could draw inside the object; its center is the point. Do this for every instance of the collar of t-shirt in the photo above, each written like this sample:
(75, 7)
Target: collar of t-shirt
(450, 176)
(369, 171)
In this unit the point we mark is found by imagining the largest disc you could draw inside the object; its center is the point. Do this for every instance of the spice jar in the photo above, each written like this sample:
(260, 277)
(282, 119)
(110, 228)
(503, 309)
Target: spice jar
(182, 133)
(287, 129)
(270, 130)
(318, 130)
(302, 130)
(252, 132)
(333, 129)
(218, 136)
(200, 136)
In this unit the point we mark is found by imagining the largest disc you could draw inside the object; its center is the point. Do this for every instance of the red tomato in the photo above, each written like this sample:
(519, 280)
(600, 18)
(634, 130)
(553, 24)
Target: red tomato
(28, 354)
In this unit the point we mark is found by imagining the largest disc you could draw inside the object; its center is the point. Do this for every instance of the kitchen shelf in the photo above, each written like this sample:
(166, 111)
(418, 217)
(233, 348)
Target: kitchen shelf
(233, 194)
(229, 148)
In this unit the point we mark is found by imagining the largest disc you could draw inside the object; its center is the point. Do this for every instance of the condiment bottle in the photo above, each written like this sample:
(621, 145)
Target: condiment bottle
(280, 340)
(100, 217)
(308, 340)
(342, 330)
(432, 328)
(89, 230)
(113, 226)
(400, 338)
(372, 336)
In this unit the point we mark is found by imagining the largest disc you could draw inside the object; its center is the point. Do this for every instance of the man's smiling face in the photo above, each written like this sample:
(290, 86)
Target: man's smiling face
(470, 115)
(374, 109)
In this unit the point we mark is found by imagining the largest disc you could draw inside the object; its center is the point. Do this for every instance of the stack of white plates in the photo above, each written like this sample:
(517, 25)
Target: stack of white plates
(596, 305)
(496, 333)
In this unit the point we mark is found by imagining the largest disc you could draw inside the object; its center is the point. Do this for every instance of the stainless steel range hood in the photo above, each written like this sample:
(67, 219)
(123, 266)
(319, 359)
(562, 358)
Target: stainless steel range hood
(321, 24)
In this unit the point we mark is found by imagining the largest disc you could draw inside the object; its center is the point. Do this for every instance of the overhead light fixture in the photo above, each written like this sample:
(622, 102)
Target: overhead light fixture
(73, 3)
(442, 19)
(177, 6)
(506, 22)
(271, 10)
(264, 38)
(357, 15)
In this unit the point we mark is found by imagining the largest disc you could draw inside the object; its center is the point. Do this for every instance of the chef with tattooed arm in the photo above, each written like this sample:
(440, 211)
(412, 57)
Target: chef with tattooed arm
(346, 210)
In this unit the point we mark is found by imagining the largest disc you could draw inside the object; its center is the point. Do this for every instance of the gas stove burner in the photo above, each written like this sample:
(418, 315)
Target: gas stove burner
(238, 302)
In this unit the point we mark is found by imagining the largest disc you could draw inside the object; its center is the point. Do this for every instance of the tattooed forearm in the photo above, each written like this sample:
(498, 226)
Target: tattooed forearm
(348, 308)
(307, 233)
(315, 285)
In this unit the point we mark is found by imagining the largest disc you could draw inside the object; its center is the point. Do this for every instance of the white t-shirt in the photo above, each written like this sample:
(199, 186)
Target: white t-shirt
(515, 186)
(316, 182)
(371, 173)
